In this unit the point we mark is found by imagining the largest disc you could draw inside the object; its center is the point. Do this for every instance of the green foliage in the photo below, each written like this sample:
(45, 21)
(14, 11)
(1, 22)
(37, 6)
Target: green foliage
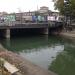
(59, 4)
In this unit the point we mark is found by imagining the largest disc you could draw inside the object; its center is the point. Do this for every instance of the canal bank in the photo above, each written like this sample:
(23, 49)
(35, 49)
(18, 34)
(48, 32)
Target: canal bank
(24, 66)
(68, 34)
(65, 33)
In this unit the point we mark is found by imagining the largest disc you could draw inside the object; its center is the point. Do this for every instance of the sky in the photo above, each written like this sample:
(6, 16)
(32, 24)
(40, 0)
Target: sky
(24, 5)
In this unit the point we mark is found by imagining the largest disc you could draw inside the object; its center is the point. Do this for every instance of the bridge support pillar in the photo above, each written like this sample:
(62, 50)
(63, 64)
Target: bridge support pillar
(7, 33)
(45, 31)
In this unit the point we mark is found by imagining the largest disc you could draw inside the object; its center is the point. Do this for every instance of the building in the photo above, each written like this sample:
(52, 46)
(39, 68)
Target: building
(55, 13)
(25, 16)
(44, 10)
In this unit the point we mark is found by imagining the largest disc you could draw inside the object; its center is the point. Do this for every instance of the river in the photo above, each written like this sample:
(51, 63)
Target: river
(49, 52)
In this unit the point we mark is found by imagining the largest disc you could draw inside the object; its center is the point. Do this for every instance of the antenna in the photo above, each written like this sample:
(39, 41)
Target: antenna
(37, 7)
(19, 10)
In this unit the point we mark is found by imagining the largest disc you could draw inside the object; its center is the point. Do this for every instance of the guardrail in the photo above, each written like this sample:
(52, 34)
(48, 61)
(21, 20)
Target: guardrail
(18, 23)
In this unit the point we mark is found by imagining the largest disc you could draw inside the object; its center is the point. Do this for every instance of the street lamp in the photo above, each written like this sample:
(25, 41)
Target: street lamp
(67, 12)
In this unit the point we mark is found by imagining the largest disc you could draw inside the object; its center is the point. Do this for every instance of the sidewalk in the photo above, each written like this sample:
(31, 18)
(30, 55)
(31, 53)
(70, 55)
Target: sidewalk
(70, 34)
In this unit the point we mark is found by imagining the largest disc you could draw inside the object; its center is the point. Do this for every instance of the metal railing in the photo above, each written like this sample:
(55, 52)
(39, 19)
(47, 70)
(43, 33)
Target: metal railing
(18, 23)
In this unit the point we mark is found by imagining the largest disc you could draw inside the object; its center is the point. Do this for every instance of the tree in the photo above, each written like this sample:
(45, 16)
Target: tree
(60, 5)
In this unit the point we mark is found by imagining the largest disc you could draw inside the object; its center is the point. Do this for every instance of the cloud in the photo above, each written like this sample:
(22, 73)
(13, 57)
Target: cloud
(24, 5)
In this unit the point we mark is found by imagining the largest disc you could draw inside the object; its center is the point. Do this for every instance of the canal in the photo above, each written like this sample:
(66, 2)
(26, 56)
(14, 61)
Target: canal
(49, 52)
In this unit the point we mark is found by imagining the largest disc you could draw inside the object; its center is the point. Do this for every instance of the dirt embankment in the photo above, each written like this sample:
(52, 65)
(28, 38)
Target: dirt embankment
(24, 66)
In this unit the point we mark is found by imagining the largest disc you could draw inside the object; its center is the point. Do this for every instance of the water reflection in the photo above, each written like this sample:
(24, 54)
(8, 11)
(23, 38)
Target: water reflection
(39, 50)
(24, 43)
(43, 56)
(64, 64)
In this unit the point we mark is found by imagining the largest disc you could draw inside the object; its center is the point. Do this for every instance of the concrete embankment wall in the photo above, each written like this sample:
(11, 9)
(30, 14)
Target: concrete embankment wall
(24, 66)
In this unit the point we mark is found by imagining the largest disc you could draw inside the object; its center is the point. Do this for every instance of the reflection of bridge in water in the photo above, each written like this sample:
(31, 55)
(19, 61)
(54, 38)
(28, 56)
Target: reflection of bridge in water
(5, 27)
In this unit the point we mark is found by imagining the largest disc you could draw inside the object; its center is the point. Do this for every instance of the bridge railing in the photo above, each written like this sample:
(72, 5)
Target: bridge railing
(4, 24)
(19, 23)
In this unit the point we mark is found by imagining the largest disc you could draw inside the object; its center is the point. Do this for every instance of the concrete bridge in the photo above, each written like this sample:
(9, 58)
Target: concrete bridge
(7, 26)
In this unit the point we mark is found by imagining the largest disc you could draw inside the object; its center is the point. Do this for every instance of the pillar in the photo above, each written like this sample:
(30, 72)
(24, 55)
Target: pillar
(7, 42)
(7, 33)
(45, 31)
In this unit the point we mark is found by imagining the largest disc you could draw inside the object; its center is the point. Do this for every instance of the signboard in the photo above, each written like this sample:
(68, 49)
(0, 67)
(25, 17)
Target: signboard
(51, 18)
(10, 18)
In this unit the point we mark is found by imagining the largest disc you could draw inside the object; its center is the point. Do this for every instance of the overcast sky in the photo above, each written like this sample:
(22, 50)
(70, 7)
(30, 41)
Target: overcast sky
(24, 5)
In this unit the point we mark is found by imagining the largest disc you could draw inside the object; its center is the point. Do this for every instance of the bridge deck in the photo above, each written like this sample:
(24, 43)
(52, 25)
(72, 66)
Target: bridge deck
(12, 25)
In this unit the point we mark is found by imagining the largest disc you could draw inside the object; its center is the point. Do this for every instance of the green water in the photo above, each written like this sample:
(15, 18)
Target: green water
(53, 53)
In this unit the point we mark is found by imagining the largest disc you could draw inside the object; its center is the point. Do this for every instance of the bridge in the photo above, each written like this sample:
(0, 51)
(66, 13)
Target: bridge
(7, 26)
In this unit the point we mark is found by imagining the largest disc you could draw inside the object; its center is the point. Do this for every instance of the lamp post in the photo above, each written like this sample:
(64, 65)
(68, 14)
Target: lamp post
(67, 12)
